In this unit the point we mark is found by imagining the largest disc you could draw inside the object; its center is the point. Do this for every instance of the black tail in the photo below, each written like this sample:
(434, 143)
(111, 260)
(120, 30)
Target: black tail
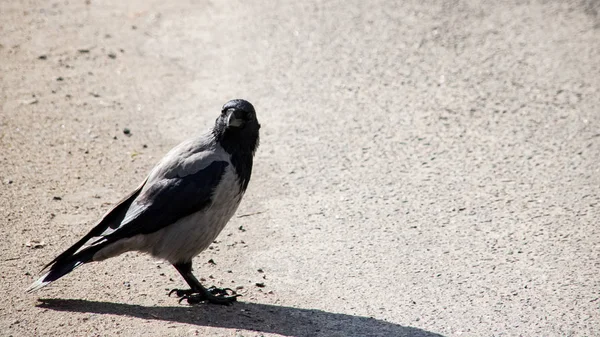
(64, 266)
(75, 256)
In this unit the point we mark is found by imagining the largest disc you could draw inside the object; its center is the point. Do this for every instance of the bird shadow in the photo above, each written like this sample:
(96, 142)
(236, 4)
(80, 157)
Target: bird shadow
(265, 318)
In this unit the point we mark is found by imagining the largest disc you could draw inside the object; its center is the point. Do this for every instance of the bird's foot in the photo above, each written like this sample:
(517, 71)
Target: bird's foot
(212, 295)
(181, 292)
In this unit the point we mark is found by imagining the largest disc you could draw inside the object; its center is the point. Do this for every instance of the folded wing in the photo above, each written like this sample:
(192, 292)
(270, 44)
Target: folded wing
(152, 206)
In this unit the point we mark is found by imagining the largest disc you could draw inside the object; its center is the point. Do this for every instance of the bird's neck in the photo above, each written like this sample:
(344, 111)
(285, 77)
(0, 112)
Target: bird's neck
(236, 142)
(241, 148)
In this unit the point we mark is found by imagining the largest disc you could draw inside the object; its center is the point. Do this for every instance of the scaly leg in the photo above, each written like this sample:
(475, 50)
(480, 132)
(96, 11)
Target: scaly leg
(198, 293)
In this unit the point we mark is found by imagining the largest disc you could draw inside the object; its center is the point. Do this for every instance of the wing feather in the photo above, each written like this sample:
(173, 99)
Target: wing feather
(111, 219)
(181, 184)
(168, 200)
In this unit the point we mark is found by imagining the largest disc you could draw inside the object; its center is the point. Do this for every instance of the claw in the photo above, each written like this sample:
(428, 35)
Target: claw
(194, 299)
(180, 292)
(221, 291)
(212, 295)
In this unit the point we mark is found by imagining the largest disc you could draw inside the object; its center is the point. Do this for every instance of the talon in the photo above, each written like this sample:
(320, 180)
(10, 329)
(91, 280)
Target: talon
(222, 292)
(217, 291)
(181, 292)
(194, 300)
(198, 293)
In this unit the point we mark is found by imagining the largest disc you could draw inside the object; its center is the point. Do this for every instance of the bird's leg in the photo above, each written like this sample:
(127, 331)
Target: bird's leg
(197, 292)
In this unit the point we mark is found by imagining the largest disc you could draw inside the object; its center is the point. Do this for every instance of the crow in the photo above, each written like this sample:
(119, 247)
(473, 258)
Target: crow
(180, 208)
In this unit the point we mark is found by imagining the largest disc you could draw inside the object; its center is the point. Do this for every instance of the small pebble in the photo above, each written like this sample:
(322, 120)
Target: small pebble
(35, 244)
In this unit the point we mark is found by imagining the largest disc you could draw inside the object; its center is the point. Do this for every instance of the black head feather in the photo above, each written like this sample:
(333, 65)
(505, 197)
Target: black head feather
(236, 130)
(239, 104)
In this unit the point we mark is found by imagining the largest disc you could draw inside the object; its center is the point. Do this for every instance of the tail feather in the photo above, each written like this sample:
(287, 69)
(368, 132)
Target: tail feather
(62, 268)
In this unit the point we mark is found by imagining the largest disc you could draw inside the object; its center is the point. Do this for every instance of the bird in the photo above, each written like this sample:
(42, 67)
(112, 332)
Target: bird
(180, 208)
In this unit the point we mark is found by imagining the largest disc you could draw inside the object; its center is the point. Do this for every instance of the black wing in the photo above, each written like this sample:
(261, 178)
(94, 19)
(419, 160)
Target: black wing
(160, 204)
(112, 219)
(168, 200)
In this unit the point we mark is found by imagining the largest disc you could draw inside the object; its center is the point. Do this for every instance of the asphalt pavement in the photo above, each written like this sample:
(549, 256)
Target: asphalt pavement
(426, 168)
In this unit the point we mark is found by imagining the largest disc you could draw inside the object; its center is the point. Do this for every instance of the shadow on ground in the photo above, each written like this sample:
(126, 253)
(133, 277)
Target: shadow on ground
(250, 316)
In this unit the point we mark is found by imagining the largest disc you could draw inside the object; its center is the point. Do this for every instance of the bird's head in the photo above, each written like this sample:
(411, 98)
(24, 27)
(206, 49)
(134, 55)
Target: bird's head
(237, 125)
(237, 113)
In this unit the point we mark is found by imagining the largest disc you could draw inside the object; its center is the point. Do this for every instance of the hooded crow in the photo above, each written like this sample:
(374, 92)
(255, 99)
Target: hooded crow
(181, 206)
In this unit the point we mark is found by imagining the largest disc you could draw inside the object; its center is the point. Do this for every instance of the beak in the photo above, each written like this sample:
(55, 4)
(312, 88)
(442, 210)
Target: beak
(235, 118)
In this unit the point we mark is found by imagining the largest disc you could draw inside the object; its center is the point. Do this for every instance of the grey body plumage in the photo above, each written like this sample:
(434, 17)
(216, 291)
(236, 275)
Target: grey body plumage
(181, 207)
